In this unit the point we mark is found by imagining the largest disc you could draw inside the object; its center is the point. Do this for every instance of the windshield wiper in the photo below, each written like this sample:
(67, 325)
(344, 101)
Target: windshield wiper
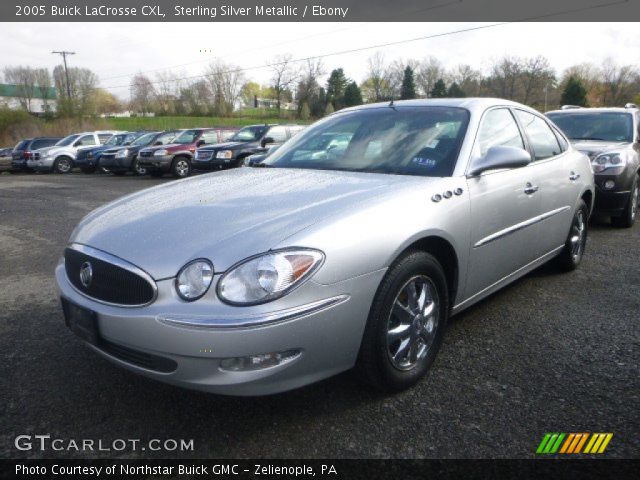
(590, 138)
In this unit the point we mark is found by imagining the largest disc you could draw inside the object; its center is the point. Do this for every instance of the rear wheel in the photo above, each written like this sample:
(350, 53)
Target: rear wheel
(406, 323)
(573, 251)
(63, 165)
(181, 167)
(628, 217)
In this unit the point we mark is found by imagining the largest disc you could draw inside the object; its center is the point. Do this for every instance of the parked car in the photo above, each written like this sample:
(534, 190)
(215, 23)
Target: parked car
(611, 138)
(5, 158)
(176, 158)
(257, 158)
(247, 141)
(22, 151)
(60, 158)
(355, 259)
(88, 159)
(125, 159)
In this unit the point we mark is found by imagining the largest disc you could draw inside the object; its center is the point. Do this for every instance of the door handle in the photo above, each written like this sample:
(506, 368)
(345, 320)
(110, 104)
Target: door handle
(530, 189)
(574, 176)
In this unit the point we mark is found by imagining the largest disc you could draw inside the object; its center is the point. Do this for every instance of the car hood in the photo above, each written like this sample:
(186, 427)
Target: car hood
(594, 147)
(170, 146)
(226, 216)
(226, 145)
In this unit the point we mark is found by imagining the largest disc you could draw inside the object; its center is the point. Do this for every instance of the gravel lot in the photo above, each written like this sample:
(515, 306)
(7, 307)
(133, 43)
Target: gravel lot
(552, 352)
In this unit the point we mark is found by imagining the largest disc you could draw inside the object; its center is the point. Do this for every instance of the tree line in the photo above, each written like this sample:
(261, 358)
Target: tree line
(314, 91)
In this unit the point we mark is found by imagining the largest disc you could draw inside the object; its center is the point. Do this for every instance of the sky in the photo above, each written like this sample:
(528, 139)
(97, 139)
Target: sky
(116, 51)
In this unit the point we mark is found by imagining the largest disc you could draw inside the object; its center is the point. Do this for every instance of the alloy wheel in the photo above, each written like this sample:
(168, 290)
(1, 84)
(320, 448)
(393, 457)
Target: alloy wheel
(182, 168)
(64, 165)
(578, 232)
(634, 202)
(413, 322)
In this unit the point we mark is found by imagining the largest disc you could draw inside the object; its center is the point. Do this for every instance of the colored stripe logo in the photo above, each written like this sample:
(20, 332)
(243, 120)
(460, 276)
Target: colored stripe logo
(572, 443)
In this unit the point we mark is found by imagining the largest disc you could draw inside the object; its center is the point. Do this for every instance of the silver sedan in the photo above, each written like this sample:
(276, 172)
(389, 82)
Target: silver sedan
(350, 246)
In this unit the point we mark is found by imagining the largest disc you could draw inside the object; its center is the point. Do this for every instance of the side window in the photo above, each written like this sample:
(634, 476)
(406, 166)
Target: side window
(543, 141)
(86, 140)
(279, 134)
(499, 128)
(103, 137)
(564, 145)
(226, 135)
(41, 144)
(210, 137)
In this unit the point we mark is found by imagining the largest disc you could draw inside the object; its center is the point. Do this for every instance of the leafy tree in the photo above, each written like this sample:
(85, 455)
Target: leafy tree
(455, 91)
(248, 92)
(336, 86)
(439, 89)
(574, 93)
(352, 95)
(408, 88)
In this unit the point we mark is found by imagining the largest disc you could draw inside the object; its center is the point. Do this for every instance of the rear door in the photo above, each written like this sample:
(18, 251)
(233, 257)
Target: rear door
(504, 206)
(558, 190)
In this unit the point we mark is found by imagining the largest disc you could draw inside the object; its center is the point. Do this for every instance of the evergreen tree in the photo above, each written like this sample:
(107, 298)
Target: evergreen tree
(336, 86)
(408, 88)
(574, 93)
(455, 91)
(352, 95)
(439, 89)
(305, 112)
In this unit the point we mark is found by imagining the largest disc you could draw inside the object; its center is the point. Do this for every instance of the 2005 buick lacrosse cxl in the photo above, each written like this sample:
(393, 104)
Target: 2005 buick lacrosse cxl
(348, 247)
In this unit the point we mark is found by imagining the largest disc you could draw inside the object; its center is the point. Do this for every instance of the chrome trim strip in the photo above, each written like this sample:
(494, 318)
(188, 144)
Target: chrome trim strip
(255, 320)
(119, 262)
(520, 226)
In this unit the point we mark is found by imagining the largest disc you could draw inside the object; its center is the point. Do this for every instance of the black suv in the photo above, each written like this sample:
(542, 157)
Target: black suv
(245, 142)
(23, 149)
(611, 139)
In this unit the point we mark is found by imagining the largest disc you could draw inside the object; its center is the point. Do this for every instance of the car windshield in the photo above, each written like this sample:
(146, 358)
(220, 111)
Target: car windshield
(188, 136)
(421, 141)
(67, 140)
(143, 140)
(604, 126)
(249, 134)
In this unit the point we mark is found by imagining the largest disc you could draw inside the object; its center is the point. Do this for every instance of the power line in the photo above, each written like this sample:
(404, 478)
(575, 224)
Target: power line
(66, 72)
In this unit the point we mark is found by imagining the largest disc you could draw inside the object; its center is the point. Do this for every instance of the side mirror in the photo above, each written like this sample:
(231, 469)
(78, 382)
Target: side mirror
(500, 157)
(200, 143)
(77, 143)
(266, 141)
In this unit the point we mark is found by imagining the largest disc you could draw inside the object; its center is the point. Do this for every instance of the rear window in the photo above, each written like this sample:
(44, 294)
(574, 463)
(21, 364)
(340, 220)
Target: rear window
(22, 145)
(43, 142)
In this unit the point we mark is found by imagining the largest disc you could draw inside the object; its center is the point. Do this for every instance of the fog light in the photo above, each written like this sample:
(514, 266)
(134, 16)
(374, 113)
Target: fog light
(609, 184)
(258, 362)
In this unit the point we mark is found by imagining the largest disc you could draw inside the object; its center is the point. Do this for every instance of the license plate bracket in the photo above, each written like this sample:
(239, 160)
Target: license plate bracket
(81, 321)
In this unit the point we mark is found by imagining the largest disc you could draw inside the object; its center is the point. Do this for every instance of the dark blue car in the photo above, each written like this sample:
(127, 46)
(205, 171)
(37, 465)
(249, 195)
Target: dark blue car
(88, 159)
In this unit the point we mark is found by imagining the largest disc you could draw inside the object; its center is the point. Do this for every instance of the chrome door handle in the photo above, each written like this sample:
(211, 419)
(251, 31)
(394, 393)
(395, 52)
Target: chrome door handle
(574, 176)
(530, 189)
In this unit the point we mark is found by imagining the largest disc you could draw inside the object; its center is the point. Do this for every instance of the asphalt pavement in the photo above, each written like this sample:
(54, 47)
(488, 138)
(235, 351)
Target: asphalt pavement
(550, 353)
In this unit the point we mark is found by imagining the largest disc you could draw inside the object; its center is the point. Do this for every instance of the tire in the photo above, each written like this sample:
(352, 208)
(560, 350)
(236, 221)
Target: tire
(392, 357)
(574, 247)
(136, 168)
(628, 217)
(181, 167)
(156, 173)
(63, 165)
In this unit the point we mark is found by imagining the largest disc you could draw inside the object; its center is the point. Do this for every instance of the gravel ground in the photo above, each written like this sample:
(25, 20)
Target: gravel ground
(550, 353)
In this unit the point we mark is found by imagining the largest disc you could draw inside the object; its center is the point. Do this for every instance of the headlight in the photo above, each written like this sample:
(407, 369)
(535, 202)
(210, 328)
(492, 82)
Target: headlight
(224, 154)
(160, 153)
(122, 153)
(614, 161)
(194, 279)
(268, 276)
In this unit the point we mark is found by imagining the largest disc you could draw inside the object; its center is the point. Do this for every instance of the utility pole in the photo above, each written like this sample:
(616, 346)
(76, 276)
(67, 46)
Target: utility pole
(66, 72)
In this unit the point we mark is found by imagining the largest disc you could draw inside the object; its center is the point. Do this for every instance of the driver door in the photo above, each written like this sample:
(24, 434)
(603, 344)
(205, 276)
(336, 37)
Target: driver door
(504, 205)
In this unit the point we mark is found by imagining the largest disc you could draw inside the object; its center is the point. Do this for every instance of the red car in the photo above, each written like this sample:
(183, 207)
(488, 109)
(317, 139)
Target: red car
(176, 158)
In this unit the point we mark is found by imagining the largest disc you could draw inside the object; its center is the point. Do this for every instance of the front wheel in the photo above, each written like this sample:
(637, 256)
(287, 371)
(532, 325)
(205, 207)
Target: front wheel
(573, 251)
(63, 165)
(137, 168)
(181, 167)
(628, 217)
(406, 323)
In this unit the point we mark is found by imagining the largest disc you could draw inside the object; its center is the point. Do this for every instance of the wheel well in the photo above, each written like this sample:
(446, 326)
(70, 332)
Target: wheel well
(444, 252)
(588, 199)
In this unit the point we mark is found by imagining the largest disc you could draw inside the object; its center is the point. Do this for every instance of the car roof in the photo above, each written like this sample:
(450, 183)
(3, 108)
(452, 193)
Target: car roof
(471, 103)
(595, 110)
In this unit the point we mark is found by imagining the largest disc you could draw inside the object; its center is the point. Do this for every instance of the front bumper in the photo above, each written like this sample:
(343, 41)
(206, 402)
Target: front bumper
(156, 163)
(113, 164)
(198, 336)
(611, 201)
(213, 163)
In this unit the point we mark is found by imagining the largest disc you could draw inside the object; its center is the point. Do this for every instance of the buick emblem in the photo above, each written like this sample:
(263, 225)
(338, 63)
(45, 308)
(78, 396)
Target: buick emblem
(86, 274)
